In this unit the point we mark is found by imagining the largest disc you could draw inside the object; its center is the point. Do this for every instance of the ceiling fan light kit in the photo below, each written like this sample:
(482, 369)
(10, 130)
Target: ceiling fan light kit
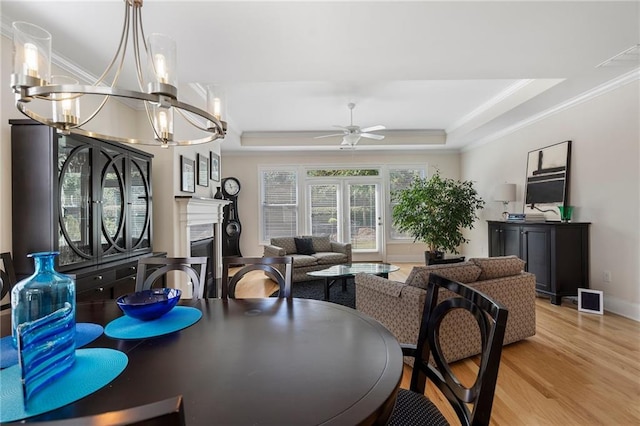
(31, 80)
(352, 134)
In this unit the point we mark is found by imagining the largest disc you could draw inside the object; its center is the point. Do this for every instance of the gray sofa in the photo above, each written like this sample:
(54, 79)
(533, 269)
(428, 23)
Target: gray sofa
(326, 254)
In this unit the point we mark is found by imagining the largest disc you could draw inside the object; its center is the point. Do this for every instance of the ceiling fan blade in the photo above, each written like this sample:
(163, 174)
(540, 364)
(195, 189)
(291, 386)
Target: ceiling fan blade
(341, 127)
(372, 136)
(329, 136)
(372, 129)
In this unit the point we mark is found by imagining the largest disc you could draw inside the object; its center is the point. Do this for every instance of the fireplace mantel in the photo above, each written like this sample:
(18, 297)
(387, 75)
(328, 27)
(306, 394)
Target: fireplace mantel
(199, 211)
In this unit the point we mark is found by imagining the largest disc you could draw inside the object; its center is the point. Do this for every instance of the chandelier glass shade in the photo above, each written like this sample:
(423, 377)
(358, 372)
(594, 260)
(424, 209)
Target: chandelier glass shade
(32, 81)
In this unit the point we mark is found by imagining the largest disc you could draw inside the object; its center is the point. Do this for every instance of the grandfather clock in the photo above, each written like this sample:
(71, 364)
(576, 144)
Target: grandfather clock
(231, 227)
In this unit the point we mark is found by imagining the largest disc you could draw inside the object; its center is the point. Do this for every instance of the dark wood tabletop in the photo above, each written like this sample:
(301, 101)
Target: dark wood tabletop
(254, 361)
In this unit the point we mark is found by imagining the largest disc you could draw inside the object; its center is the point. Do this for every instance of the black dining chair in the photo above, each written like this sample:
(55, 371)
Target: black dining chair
(7, 279)
(248, 264)
(445, 297)
(151, 269)
(168, 412)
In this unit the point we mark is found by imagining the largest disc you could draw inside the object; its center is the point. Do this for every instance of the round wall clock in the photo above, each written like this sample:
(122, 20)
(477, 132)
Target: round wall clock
(230, 187)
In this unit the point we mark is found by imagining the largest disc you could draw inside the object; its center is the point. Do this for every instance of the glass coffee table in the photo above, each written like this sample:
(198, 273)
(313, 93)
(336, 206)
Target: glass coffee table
(342, 272)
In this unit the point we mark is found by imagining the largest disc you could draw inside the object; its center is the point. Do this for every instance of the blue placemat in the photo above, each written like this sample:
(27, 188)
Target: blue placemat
(130, 328)
(94, 368)
(85, 333)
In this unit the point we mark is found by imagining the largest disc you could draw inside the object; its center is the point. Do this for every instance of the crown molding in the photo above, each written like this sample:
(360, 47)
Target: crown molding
(602, 89)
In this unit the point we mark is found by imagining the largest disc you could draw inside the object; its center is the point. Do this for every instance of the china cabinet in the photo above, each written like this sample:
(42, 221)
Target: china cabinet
(88, 199)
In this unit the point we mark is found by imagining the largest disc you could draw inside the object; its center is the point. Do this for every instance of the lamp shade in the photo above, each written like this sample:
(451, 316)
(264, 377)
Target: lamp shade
(505, 192)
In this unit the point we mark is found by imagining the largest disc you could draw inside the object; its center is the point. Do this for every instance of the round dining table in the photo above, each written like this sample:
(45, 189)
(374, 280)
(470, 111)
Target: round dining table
(253, 361)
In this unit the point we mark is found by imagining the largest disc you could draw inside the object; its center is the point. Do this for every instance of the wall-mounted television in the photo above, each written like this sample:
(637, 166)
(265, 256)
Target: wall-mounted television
(548, 176)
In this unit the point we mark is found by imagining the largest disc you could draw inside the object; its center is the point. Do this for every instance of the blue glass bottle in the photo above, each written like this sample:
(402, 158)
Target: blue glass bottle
(43, 312)
(42, 293)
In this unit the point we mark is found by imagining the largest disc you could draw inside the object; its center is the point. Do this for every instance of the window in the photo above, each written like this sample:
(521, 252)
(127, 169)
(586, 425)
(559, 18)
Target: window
(279, 204)
(400, 178)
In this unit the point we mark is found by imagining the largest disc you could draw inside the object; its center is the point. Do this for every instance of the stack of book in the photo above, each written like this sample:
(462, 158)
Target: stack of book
(525, 217)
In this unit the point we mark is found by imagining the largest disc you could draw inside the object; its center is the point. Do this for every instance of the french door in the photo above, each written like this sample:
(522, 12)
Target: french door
(349, 210)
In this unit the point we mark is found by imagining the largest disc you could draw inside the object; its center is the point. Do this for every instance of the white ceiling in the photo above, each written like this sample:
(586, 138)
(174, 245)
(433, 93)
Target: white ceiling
(462, 70)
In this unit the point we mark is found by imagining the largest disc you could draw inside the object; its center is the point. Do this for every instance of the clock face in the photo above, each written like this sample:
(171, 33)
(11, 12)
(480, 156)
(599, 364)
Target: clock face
(231, 186)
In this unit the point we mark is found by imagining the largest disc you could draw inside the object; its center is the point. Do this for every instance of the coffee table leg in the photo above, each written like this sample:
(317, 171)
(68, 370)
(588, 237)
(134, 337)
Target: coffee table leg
(327, 284)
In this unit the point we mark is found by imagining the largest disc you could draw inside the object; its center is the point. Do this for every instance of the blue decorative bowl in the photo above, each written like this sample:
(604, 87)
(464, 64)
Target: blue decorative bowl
(148, 305)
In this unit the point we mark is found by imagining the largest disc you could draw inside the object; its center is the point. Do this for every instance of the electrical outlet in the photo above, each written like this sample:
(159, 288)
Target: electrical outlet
(606, 276)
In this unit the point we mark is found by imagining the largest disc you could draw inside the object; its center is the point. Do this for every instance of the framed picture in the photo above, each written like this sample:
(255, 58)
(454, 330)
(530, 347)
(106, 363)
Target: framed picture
(187, 174)
(203, 170)
(547, 183)
(215, 167)
(590, 301)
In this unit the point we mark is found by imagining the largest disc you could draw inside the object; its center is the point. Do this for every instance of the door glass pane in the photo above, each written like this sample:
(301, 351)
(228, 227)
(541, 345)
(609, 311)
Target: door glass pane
(112, 202)
(139, 199)
(75, 231)
(363, 216)
(324, 210)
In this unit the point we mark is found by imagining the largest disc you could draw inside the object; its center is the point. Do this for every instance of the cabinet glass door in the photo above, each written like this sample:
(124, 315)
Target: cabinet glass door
(75, 241)
(111, 202)
(139, 203)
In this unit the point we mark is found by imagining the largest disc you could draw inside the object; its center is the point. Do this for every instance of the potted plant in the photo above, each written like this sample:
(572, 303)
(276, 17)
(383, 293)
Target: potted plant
(435, 210)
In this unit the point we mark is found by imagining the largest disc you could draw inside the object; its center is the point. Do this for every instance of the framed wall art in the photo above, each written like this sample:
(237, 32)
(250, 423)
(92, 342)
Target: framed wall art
(187, 174)
(203, 170)
(215, 166)
(547, 181)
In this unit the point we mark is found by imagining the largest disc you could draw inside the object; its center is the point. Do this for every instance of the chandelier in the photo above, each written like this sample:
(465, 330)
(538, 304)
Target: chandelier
(32, 80)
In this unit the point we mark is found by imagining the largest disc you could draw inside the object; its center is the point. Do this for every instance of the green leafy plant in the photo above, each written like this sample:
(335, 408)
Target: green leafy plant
(435, 210)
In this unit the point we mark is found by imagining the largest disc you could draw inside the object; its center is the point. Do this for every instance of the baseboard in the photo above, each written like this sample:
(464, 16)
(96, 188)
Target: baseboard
(406, 258)
(622, 307)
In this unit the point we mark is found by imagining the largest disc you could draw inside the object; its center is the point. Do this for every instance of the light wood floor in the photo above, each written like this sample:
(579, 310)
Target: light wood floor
(579, 369)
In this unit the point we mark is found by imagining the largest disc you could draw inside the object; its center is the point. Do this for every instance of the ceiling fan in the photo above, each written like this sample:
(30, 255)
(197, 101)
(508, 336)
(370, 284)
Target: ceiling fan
(351, 134)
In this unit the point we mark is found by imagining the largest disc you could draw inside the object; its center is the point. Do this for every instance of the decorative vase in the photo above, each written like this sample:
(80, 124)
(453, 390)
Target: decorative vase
(218, 195)
(43, 323)
(565, 213)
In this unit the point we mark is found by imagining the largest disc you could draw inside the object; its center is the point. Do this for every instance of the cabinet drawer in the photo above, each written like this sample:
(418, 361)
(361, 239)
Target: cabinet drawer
(126, 271)
(124, 286)
(96, 293)
(102, 279)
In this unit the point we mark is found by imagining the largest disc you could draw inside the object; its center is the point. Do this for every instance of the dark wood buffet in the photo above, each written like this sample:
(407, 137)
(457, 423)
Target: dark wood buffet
(556, 252)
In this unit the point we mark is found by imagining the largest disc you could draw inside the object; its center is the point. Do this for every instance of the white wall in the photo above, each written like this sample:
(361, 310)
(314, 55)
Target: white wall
(604, 184)
(245, 168)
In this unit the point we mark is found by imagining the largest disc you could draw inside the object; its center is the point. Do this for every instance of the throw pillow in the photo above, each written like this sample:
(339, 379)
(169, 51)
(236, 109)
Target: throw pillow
(322, 243)
(304, 246)
(498, 267)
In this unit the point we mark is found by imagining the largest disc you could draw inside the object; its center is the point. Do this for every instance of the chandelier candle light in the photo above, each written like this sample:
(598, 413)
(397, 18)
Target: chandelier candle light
(31, 80)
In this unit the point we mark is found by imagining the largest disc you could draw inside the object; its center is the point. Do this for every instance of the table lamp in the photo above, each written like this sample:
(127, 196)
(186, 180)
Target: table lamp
(505, 193)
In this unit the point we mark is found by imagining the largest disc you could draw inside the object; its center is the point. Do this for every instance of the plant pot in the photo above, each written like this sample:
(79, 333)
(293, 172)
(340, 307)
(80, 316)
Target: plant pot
(430, 256)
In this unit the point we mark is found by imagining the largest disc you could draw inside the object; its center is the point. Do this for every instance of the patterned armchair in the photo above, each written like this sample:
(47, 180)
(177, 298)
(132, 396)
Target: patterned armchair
(398, 306)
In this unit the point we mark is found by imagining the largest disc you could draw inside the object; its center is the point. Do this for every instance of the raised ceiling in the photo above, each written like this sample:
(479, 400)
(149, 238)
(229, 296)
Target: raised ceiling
(438, 75)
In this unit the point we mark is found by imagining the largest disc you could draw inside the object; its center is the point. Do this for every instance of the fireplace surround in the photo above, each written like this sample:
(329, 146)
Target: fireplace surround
(200, 226)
